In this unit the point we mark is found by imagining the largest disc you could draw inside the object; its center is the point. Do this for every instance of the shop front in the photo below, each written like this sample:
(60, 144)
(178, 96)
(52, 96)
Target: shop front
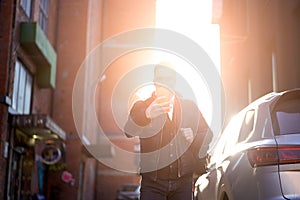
(37, 146)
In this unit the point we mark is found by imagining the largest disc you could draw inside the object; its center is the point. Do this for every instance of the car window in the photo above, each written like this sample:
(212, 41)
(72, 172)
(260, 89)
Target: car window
(286, 118)
(234, 130)
(247, 126)
(219, 147)
(228, 138)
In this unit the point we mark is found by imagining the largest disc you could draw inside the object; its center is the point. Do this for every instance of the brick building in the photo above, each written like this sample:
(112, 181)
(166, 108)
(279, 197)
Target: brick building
(44, 43)
(42, 46)
(259, 48)
(32, 142)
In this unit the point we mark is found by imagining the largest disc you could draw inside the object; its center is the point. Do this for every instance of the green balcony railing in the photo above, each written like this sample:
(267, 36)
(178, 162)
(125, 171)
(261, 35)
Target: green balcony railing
(35, 43)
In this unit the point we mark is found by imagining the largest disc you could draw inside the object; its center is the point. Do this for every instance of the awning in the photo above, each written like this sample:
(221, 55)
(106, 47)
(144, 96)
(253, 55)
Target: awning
(36, 44)
(38, 125)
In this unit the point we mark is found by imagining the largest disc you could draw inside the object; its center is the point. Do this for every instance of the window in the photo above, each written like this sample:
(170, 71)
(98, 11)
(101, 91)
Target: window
(22, 90)
(219, 147)
(233, 130)
(286, 118)
(43, 15)
(247, 126)
(26, 5)
(289, 122)
(228, 138)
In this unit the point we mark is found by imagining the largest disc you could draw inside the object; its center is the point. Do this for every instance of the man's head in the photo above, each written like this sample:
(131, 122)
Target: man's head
(164, 79)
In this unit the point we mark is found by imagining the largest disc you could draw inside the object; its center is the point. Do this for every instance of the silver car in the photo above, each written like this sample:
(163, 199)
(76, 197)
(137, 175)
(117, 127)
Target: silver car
(128, 192)
(258, 154)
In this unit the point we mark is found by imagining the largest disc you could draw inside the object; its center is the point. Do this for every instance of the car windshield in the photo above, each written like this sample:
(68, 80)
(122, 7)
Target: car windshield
(287, 117)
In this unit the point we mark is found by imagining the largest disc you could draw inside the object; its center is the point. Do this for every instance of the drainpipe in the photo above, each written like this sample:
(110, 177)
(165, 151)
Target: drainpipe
(274, 73)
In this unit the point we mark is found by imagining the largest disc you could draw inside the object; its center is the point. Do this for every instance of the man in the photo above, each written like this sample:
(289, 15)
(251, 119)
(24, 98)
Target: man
(172, 131)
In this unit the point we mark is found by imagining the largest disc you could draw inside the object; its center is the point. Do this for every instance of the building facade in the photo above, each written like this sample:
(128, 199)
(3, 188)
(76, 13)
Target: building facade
(32, 142)
(43, 44)
(259, 48)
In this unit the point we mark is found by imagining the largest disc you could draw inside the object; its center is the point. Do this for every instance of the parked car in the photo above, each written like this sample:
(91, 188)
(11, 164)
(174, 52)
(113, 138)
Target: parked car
(258, 154)
(129, 192)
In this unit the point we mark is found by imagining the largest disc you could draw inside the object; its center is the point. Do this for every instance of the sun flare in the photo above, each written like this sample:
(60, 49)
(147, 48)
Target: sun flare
(193, 19)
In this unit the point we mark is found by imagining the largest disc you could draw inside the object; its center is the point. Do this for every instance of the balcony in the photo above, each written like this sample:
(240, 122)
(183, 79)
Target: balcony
(35, 43)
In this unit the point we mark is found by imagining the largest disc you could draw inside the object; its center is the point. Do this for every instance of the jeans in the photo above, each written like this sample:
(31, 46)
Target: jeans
(177, 189)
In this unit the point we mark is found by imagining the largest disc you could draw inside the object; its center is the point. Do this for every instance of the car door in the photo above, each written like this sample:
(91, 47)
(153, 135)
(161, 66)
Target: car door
(224, 163)
(209, 181)
(218, 160)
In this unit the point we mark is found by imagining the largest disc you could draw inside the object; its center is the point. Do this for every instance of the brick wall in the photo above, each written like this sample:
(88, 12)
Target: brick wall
(72, 46)
(6, 13)
(3, 139)
(71, 50)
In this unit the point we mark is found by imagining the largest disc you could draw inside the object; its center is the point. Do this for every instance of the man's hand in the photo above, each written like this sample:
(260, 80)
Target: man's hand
(158, 107)
(188, 134)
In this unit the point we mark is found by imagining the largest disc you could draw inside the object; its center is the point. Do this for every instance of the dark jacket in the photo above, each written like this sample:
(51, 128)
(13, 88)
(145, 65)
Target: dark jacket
(161, 137)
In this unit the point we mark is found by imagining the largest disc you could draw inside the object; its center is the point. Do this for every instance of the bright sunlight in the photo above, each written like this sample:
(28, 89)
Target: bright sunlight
(191, 18)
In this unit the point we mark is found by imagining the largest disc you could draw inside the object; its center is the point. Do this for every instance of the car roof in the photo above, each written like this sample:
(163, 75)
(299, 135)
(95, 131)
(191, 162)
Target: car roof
(265, 100)
(271, 97)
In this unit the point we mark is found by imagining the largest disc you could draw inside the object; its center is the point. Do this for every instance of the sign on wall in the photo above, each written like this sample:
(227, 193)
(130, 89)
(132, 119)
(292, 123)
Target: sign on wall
(50, 154)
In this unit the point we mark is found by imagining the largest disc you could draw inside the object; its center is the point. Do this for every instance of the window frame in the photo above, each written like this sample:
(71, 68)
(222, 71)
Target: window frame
(243, 137)
(22, 90)
(43, 14)
(26, 6)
